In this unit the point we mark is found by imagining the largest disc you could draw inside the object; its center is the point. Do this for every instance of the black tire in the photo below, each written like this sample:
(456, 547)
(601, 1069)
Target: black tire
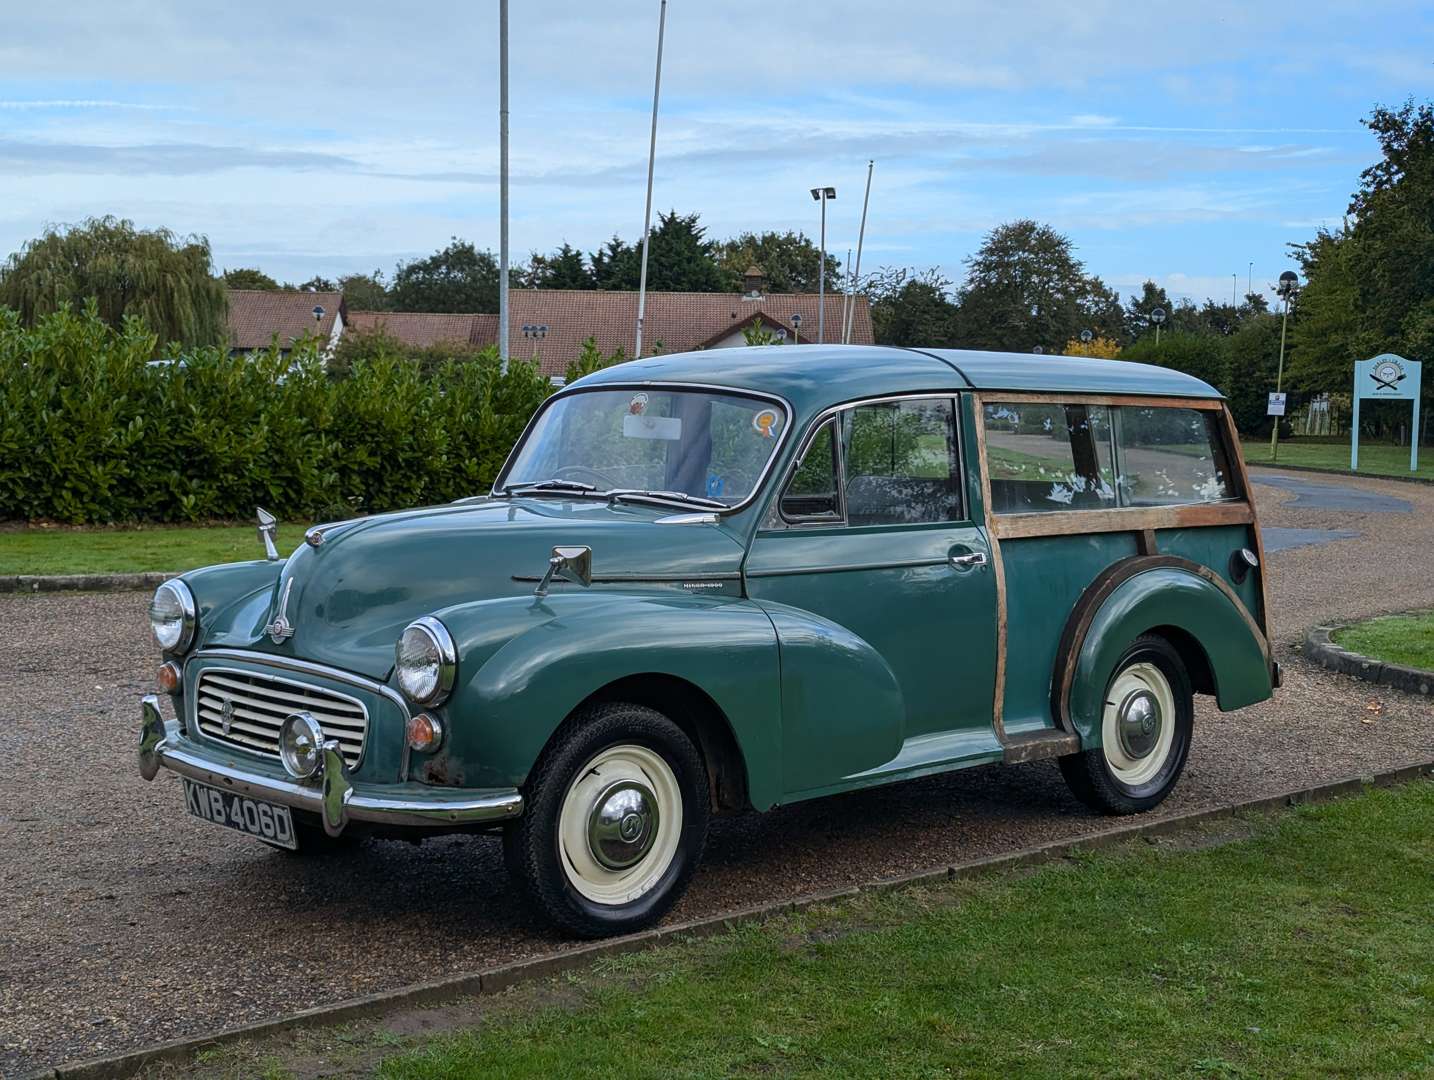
(1089, 774)
(532, 848)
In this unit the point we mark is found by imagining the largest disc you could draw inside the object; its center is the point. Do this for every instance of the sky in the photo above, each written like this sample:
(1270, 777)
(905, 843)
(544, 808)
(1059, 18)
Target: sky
(1173, 141)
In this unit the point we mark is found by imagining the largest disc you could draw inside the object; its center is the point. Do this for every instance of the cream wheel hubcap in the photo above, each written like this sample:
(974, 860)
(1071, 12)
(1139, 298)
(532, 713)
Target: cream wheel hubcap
(619, 824)
(1138, 724)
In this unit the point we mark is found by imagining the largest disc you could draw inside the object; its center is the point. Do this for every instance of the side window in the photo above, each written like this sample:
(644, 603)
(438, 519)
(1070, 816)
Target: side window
(811, 494)
(902, 466)
(1171, 456)
(1049, 457)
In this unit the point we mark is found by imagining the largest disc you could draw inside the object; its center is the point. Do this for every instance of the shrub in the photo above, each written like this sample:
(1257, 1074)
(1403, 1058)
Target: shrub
(94, 432)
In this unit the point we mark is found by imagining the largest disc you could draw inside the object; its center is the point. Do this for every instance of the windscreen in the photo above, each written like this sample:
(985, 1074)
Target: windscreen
(701, 443)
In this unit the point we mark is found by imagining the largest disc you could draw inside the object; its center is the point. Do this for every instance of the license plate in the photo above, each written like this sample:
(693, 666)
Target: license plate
(267, 821)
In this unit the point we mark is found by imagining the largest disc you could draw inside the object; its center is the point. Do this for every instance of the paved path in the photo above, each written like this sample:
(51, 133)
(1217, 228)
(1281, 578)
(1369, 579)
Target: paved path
(122, 923)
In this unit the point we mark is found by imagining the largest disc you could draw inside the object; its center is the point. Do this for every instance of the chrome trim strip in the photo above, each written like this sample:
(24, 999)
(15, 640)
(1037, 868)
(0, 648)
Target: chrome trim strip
(658, 384)
(837, 569)
(161, 745)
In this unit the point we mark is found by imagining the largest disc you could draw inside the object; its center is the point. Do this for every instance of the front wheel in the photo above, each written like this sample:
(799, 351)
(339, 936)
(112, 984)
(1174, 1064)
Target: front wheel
(1145, 730)
(615, 821)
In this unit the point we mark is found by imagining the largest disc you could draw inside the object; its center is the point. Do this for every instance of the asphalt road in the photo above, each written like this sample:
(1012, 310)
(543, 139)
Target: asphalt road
(124, 923)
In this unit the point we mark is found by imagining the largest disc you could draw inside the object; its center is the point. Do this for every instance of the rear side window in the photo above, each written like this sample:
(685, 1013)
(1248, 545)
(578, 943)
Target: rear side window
(1045, 457)
(1172, 456)
(901, 463)
(1049, 457)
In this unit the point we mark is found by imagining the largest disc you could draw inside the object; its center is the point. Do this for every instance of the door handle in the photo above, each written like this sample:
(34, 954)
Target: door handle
(965, 562)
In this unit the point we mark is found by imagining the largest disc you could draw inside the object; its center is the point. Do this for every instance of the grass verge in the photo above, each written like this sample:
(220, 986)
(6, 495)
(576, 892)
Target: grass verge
(1299, 943)
(1375, 459)
(35, 550)
(1395, 639)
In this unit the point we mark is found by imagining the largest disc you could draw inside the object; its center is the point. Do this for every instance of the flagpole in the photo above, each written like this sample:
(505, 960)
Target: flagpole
(860, 239)
(651, 159)
(503, 183)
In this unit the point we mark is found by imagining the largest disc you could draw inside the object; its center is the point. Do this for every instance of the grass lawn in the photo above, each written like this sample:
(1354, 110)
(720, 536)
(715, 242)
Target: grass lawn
(1398, 639)
(112, 551)
(1376, 459)
(1302, 945)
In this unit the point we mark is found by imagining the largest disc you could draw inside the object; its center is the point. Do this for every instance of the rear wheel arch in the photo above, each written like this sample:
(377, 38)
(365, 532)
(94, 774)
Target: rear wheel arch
(701, 719)
(1219, 644)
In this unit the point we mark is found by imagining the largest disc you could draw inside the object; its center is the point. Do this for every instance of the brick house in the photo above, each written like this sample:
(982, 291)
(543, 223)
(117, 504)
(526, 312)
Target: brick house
(550, 325)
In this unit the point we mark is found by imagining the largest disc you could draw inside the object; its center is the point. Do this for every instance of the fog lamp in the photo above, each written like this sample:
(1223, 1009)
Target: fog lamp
(301, 745)
(169, 678)
(425, 733)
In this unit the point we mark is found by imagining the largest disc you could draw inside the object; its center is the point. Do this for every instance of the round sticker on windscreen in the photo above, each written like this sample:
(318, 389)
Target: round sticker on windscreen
(765, 423)
(638, 405)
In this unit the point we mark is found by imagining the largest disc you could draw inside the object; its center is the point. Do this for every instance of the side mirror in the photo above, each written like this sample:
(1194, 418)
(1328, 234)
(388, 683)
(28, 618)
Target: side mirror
(268, 529)
(577, 561)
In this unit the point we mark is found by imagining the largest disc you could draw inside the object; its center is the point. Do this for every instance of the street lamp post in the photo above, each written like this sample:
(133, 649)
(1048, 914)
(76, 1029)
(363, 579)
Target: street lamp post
(1287, 288)
(797, 328)
(822, 195)
(1157, 317)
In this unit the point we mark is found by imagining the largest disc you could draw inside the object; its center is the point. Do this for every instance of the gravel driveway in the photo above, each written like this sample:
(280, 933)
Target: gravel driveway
(124, 923)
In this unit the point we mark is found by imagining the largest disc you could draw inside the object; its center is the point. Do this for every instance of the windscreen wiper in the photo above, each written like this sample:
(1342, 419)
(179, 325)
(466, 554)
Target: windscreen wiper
(662, 496)
(565, 486)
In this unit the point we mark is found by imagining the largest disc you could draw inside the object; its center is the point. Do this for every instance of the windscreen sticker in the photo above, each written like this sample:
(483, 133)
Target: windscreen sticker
(766, 423)
(638, 405)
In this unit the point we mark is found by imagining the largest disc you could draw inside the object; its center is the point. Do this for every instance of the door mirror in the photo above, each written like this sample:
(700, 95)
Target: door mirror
(577, 561)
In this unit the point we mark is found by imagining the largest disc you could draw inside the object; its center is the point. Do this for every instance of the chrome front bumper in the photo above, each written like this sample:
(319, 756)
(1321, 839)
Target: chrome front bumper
(331, 794)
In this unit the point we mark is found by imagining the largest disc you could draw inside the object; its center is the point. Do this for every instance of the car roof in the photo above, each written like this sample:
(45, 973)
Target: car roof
(813, 377)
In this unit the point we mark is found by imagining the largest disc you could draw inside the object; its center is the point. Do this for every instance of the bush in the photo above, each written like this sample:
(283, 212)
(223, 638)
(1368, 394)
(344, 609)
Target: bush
(94, 432)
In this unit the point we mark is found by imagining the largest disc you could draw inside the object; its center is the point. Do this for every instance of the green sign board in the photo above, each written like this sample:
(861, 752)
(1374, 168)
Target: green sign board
(1386, 378)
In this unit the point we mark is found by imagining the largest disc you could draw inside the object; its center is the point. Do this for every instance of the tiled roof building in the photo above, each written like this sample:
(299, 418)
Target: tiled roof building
(550, 325)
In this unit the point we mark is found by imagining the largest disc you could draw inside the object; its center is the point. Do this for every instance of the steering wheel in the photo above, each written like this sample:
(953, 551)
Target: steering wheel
(602, 478)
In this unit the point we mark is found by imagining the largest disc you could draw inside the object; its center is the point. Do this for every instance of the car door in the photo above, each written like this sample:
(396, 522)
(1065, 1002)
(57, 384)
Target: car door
(880, 585)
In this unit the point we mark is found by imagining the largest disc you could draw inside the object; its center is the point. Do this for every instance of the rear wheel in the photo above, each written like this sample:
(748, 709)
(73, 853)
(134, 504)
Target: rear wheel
(614, 822)
(1146, 724)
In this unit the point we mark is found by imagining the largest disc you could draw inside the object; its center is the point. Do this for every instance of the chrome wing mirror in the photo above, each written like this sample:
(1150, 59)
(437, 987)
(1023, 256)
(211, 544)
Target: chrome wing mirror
(268, 529)
(577, 561)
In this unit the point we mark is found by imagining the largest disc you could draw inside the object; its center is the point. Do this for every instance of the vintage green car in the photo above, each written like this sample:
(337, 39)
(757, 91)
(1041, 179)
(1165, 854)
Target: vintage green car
(724, 581)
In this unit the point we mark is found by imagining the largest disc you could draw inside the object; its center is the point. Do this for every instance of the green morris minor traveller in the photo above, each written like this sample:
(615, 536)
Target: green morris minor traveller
(725, 581)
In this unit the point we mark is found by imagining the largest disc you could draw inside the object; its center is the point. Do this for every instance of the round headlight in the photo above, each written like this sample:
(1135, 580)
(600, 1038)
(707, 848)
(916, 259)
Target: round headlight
(171, 616)
(301, 745)
(426, 661)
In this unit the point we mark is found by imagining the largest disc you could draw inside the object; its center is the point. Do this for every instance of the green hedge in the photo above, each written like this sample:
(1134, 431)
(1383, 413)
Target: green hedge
(94, 432)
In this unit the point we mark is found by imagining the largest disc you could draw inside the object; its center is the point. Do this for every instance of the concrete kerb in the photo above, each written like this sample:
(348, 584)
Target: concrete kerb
(35, 583)
(1322, 649)
(1280, 465)
(497, 979)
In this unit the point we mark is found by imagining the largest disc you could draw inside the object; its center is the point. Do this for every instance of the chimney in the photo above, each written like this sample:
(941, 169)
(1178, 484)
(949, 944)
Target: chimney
(753, 283)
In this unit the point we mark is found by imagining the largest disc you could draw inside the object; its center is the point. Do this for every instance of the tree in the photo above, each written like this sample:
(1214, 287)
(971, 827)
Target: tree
(563, 269)
(317, 283)
(615, 265)
(249, 278)
(1025, 288)
(165, 280)
(680, 259)
(1369, 285)
(910, 308)
(1102, 348)
(789, 261)
(457, 278)
(365, 292)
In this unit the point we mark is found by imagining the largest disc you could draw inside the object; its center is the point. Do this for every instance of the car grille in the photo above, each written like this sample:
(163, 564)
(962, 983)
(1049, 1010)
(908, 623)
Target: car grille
(260, 703)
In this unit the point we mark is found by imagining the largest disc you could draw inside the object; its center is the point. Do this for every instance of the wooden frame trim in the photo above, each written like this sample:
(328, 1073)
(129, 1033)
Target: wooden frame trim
(1090, 603)
(1236, 457)
(1129, 400)
(1122, 519)
(998, 567)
